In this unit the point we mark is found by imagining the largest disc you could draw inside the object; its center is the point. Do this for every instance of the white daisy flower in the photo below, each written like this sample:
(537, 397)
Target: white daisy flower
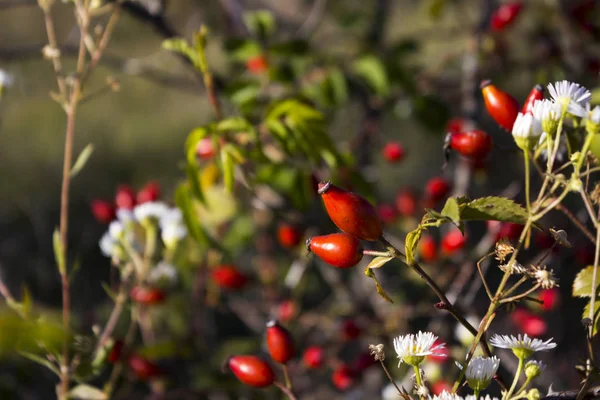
(108, 244)
(534, 368)
(572, 94)
(172, 233)
(172, 215)
(163, 273)
(592, 119)
(124, 215)
(150, 210)
(526, 131)
(412, 349)
(480, 372)
(115, 229)
(548, 113)
(486, 397)
(522, 346)
(445, 395)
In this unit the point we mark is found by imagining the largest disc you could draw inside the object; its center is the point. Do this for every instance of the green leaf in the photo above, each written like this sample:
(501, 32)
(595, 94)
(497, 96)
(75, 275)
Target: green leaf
(59, 254)
(181, 46)
(435, 8)
(379, 262)
(493, 208)
(411, 243)
(200, 47)
(228, 165)
(184, 202)
(261, 23)
(82, 159)
(233, 124)
(582, 285)
(41, 360)
(372, 71)
(596, 319)
(369, 272)
(87, 392)
(451, 210)
(23, 307)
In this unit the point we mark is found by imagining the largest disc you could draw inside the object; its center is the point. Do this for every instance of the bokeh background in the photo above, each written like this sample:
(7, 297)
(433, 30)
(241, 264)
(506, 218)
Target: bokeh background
(440, 51)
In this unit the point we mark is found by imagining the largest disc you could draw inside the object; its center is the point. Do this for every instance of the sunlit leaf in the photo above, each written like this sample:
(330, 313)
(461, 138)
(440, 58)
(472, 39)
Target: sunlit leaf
(582, 285)
(372, 71)
(369, 272)
(379, 262)
(82, 159)
(87, 392)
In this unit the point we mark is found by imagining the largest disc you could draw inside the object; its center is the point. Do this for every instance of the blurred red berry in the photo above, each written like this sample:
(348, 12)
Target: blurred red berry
(251, 370)
(441, 355)
(544, 240)
(288, 235)
(257, 65)
(143, 368)
(387, 213)
(537, 93)
(406, 203)
(313, 357)
(440, 386)
(150, 192)
(457, 125)
(147, 296)
(501, 106)
(505, 15)
(363, 361)
(528, 322)
(508, 230)
(584, 255)
(228, 277)
(343, 377)
(205, 149)
(286, 310)
(453, 241)
(350, 330)
(116, 352)
(103, 211)
(428, 249)
(550, 297)
(474, 144)
(437, 189)
(280, 343)
(393, 152)
(125, 197)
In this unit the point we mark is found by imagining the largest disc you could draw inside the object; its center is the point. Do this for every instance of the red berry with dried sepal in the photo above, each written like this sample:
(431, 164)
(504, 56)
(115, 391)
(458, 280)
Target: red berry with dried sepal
(228, 277)
(251, 370)
(537, 93)
(150, 192)
(313, 357)
(406, 203)
(103, 211)
(280, 343)
(501, 106)
(289, 235)
(453, 241)
(437, 189)
(393, 152)
(143, 368)
(505, 15)
(350, 212)
(343, 377)
(146, 295)
(474, 144)
(338, 249)
(125, 197)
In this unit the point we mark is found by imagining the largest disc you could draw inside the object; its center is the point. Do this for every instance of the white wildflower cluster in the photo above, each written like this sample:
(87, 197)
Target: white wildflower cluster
(567, 98)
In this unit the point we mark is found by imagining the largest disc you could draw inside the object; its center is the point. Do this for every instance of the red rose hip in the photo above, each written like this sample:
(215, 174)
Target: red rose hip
(228, 277)
(436, 189)
(103, 211)
(393, 152)
(537, 93)
(343, 377)
(251, 370)
(280, 343)
(288, 235)
(406, 203)
(150, 192)
(257, 65)
(313, 357)
(453, 241)
(505, 15)
(475, 144)
(143, 368)
(338, 249)
(147, 296)
(125, 197)
(350, 212)
(501, 106)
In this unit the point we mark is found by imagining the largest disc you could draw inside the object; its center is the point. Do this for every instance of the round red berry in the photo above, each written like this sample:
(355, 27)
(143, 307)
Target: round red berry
(453, 241)
(313, 357)
(103, 211)
(393, 152)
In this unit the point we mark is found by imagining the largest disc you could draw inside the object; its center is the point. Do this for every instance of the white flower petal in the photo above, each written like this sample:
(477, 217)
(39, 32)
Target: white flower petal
(521, 342)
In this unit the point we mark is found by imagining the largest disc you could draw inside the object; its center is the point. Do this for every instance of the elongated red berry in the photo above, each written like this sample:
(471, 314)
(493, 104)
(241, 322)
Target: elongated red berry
(205, 149)
(143, 368)
(116, 352)
(457, 125)
(289, 235)
(350, 212)
(505, 15)
(406, 203)
(537, 93)
(150, 192)
(147, 296)
(257, 65)
(125, 197)
(475, 144)
(313, 357)
(103, 211)
(453, 241)
(428, 249)
(338, 249)
(437, 189)
(343, 377)
(228, 277)
(501, 106)
(280, 343)
(393, 152)
(251, 370)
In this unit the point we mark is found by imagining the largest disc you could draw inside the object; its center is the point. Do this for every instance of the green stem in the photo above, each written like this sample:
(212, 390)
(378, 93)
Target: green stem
(584, 150)
(527, 382)
(527, 180)
(286, 376)
(476, 393)
(418, 377)
(516, 380)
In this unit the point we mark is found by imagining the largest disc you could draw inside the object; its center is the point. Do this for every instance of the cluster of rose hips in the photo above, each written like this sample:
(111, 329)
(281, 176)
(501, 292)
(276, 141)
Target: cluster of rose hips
(125, 198)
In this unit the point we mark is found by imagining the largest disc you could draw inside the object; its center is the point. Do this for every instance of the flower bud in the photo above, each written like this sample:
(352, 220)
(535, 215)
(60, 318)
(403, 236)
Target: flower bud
(526, 131)
(534, 394)
(534, 368)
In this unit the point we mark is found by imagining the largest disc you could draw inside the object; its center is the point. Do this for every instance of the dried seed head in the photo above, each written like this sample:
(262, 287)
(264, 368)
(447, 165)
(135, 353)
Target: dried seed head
(595, 195)
(517, 268)
(503, 249)
(544, 277)
(377, 351)
(561, 237)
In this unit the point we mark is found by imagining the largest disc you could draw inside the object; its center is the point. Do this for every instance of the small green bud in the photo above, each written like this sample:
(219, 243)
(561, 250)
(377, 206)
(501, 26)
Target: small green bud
(534, 394)
(533, 369)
